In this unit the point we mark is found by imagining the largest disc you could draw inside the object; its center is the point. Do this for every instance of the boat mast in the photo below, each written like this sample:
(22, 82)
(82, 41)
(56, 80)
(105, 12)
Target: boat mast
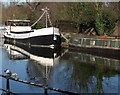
(45, 12)
(46, 16)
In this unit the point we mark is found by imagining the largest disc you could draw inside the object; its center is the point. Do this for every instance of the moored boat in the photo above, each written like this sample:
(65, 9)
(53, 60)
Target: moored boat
(20, 32)
(102, 46)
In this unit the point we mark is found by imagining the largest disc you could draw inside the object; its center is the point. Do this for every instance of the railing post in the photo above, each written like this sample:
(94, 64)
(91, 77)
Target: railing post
(45, 91)
(7, 86)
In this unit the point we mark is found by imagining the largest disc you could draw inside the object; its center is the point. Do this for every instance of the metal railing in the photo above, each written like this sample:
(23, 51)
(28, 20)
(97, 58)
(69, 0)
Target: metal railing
(46, 88)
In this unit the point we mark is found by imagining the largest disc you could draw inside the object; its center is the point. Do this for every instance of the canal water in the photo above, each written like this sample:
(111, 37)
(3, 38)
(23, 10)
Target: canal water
(60, 68)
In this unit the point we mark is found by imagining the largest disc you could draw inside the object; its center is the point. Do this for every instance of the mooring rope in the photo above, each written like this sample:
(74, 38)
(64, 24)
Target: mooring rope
(47, 16)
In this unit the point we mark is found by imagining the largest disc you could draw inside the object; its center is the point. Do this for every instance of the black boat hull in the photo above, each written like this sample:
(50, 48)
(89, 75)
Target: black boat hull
(47, 40)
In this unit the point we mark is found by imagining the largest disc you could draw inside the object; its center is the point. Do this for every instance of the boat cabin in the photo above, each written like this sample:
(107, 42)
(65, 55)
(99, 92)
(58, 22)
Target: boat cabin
(17, 23)
(18, 26)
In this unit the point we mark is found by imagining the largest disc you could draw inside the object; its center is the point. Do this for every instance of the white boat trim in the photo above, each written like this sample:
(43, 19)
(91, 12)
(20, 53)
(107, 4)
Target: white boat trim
(37, 32)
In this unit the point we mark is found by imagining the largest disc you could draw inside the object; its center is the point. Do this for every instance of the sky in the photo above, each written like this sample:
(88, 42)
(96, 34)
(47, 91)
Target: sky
(12, 0)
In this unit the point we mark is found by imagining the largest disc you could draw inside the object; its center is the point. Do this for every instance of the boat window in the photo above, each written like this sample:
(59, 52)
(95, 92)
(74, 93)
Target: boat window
(21, 32)
(8, 23)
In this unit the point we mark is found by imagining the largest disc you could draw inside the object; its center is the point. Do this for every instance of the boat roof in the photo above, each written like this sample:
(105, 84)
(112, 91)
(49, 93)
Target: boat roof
(16, 20)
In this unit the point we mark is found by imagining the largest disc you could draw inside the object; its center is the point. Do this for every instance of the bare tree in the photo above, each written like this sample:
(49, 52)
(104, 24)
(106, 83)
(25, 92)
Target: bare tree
(14, 2)
(32, 5)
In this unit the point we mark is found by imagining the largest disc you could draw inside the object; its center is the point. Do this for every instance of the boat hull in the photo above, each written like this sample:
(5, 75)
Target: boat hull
(45, 37)
(43, 41)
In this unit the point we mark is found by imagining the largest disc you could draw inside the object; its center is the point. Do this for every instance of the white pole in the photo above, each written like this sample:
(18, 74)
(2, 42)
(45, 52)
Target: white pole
(46, 17)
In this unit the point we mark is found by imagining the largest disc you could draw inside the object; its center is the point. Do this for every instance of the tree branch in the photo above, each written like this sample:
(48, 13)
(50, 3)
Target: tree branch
(33, 6)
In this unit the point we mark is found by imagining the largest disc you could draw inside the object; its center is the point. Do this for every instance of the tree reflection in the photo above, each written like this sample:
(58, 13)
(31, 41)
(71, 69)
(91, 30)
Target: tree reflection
(89, 76)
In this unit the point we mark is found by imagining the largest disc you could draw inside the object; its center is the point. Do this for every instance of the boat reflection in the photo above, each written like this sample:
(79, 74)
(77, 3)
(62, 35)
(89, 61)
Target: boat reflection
(44, 56)
(40, 60)
(39, 70)
(98, 61)
(12, 52)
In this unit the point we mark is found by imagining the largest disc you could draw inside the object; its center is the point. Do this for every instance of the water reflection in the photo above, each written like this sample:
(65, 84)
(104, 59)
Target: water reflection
(39, 54)
(94, 74)
(40, 62)
(68, 70)
(13, 53)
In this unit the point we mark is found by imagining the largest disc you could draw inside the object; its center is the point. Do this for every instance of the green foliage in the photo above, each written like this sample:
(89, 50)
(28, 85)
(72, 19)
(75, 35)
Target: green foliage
(82, 12)
(38, 26)
(98, 20)
(99, 24)
(23, 17)
(92, 15)
(109, 19)
(105, 22)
